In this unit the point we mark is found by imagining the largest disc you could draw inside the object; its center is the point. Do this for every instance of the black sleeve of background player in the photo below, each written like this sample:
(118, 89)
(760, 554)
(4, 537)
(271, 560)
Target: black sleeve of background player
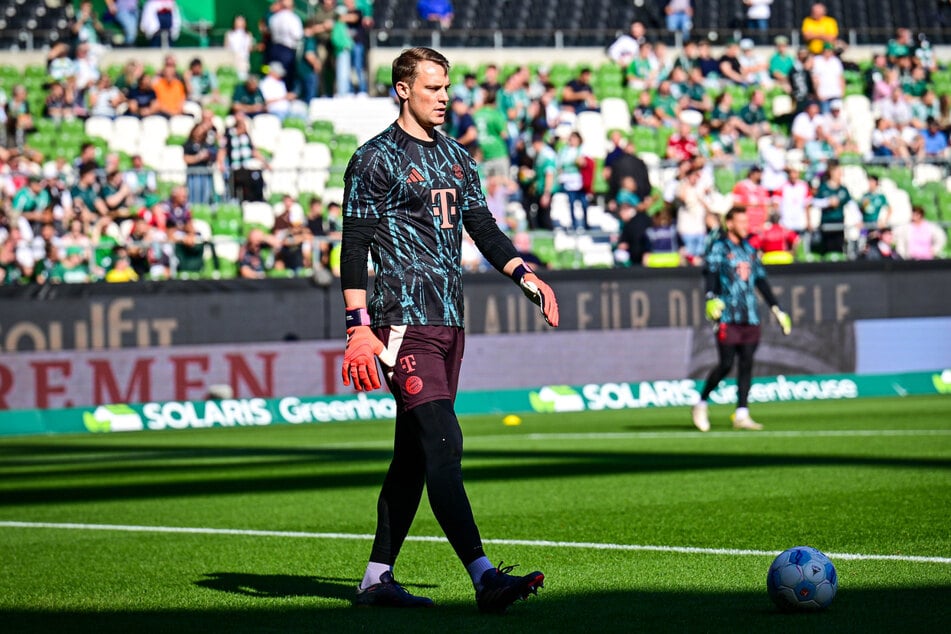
(354, 248)
(711, 282)
(762, 285)
(494, 245)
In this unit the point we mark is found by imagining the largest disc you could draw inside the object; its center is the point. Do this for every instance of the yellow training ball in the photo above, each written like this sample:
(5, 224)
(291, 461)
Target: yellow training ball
(511, 420)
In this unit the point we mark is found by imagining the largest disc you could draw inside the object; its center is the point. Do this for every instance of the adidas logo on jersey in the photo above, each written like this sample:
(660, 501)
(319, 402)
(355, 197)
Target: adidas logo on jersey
(414, 177)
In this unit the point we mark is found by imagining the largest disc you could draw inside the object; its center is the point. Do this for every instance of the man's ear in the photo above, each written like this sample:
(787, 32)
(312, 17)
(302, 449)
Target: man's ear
(402, 90)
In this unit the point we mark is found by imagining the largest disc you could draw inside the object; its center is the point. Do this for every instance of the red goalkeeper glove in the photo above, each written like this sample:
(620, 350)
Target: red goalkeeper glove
(359, 359)
(539, 292)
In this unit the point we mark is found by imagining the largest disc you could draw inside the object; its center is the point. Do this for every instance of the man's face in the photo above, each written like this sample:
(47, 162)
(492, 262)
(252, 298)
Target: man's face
(739, 225)
(428, 96)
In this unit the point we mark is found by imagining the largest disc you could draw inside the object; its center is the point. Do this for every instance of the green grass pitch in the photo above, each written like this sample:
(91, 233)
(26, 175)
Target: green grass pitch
(640, 523)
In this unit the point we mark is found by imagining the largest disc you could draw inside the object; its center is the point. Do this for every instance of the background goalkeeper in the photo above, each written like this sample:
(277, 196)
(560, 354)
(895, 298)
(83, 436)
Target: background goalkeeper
(732, 271)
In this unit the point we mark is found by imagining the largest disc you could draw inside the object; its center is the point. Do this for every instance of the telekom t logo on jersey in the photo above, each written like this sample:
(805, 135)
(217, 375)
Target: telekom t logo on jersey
(444, 205)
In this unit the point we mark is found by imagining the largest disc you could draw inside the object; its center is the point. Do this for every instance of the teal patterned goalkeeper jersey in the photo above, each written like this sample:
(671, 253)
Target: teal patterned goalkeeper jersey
(737, 268)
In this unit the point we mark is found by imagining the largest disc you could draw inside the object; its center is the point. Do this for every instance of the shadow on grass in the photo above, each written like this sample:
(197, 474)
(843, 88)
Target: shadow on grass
(296, 469)
(905, 610)
(284, 586)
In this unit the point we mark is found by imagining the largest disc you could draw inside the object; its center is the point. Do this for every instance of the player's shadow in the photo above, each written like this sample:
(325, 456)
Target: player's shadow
(282, 586)
(279, 586)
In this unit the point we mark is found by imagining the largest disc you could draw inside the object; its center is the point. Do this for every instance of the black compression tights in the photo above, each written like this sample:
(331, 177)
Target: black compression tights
(744, 372)
(427, 449)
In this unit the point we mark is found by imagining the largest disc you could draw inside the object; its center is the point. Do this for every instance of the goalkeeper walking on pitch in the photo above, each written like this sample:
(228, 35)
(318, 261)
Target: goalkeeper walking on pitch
(732, 271)
(408, 193)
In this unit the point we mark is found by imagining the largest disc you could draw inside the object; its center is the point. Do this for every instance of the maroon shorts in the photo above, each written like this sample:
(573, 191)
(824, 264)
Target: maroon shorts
(428, 359)
(737, 334)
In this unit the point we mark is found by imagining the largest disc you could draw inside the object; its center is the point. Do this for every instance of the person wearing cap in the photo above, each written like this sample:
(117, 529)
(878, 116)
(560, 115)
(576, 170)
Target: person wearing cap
(754, 69)
(758, 13)
(781, 63)
(277, 99)
(819, 28)
(828, 76)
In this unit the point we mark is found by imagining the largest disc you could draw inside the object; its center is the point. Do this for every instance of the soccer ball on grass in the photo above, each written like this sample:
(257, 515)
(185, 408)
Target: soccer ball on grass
(802, 578)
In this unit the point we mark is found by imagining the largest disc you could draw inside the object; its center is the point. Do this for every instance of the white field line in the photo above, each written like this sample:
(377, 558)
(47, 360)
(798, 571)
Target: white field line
(818, 433)
(506, 542)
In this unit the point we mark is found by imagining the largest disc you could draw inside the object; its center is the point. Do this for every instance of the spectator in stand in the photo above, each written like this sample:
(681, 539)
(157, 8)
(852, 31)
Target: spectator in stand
(87, 204)
(436, 14)
(125, 13)
(776, 239)
(461, 126)
(490, 80)
(819, 28)
(876, 212)
(252, 259)
(86, 27)
(117, 196)
(695, 93)
(627, 46)
(773, 160)
(145, 246)
(632, 243)
(540, 178)
(174, 213)
(201, 84)
(493, 134)
(921, 239)
(758, 13)
(239, 42)
(729, 66)
(818, 154)
(17, 261)
(247, 98)
(902, 46)
(828, 76)
(682, 145)
(831, 198)
(578, 93)
(141, 99)
(644, 112)
(469, 91)
(570, 162)
(278, 100)
(752, 120)
(722, 110)
(666, 106)
(309, 83)
(875, 74)
(750, 196)
(323, 18)
(624, 163)
(244, 162)
(805, 123)
(693, 198)
(881, 245)
(887, 141)
(161, 22)
(836, 128)
(104, 99)
(86, 69)
(709, 65)
(142, 182)
(781, 63)
(202, 155)
(287, 32)
(641, 73)
(794, 201)
(934, 141)
(662, 237)
(290, 236)
(357, 23)
(19, 118)
(170, 91)
(679, 17)
(754, 69)
(121, 268)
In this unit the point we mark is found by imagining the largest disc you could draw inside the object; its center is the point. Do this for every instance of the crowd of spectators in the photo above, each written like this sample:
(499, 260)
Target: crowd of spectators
(73, 220)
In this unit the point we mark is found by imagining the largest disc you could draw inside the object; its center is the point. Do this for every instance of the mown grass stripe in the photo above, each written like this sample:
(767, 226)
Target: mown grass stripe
(506, 542)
